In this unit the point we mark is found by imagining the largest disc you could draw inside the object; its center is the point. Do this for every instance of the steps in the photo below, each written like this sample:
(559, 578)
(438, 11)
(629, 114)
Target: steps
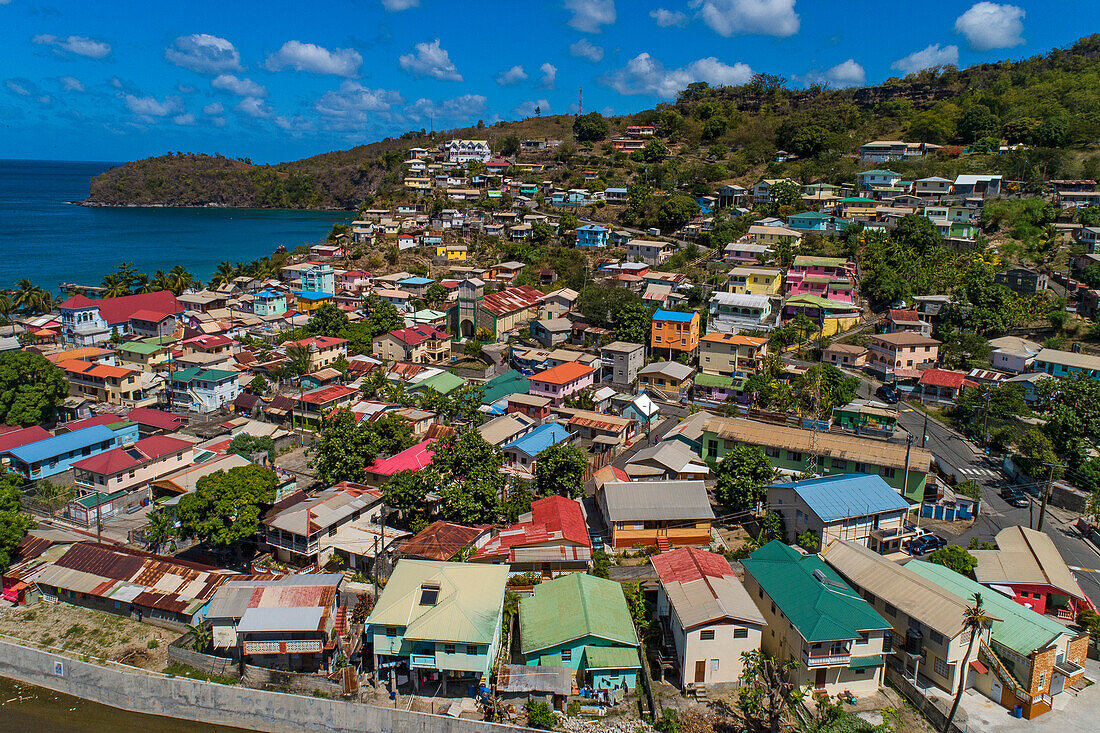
(701, 693)
(662, 543)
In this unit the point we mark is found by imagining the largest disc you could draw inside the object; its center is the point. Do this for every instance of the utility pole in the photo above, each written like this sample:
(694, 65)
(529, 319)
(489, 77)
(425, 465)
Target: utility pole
(580, 101)
(924, 434)
(1046, 495)
(905, 479)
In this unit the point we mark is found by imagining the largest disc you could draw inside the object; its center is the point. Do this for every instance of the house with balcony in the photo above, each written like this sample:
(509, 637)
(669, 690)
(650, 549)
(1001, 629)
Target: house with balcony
(790, 449)
(87, 322)
(927, 640)
(292, 623)
(661, 514)
(592, 235)
(860, 508)
(1028, 659)
(817, 222)
(676, 331)
(883, 151)
(203, 390)
(1058, 363)
(866, 416)
(560, 382)
(439, 620)
(848, 356)
(319, 278)
(313, 405)
(826, 277)
(146, 356)
(112, 385)
(582, 623)
(551, 539)
(621, 361)
(906, 350)
(761, 191)
(731, 355)
(746, 280)
(877, 178)
(816, 619)
(707, 617)
(672, 379)
(651, 252)
(730, 313)
(420, 344)
(745, 251)
(56, 454)
(323, 350)
(933, 187)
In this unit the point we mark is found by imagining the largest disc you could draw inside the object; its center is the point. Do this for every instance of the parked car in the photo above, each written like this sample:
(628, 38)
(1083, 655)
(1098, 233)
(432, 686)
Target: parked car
(1016, 498)
(888, 394)
(924, 544)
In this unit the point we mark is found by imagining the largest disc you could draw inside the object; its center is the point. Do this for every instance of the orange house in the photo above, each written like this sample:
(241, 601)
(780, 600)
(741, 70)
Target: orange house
(675, 331)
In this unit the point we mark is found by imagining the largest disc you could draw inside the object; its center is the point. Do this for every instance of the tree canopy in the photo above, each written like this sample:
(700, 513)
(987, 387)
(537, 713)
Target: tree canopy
(471, 483)
(226, 506)
(743, 473)
(560, 470)
(591, 127)
(344, 447)
(30, 388)
(14, 522)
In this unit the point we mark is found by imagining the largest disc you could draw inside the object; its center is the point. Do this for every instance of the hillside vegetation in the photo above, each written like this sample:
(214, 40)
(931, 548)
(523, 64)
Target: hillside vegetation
(1049, 103)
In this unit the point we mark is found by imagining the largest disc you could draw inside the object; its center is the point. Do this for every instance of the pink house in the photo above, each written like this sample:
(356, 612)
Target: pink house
(561, 381)
(828, 277)
(355, 280)
(413, 459)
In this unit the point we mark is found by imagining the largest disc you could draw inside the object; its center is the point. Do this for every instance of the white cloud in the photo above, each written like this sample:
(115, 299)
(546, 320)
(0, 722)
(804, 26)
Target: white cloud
(296, 124)
(585, 50)
(846, 74)
(71, 84)
(396, 6)
(589, 15)
(549, 75)
(185, 89)
(316, 59)
(151, 106)
(240, 87)
(353, 104)
(459, 107)
(669, 18)
(527, 109)
(734, 17)
(79, 45)
(989, 25)
(217, 121)
(644, 74)
(254, 107)
(213, 109)
(511, 76)
(430, 60)
(19, 87)
(185, 119)
(926, 58)
(204, 53)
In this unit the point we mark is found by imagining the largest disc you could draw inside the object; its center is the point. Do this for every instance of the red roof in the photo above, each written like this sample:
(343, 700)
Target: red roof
(410, 459)
(942, 378)
(686, 564)
(553, 519)
(106, 419)
(415, 335)
(156, 418)
(149, 315)
(121, 310)
(24, 436)
(511, 300)
(119, 459)
(563, 373)
(321, 342)
(903, 315)
(327, 394)
(209, 342)
(439, 541)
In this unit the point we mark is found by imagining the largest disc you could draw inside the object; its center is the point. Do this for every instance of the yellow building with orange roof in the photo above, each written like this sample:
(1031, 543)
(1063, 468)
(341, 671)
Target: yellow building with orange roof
(731, 354)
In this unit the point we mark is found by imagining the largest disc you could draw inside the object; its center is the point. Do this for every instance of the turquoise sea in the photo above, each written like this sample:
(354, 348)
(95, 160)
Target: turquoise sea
(47, 239)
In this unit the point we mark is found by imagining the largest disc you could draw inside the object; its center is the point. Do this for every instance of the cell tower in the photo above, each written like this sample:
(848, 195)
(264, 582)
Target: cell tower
(580, 100)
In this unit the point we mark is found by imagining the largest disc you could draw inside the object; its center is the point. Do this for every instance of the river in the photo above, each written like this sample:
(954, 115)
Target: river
(29, 708)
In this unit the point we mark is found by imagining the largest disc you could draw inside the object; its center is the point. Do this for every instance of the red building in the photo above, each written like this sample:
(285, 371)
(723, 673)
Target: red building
(550, 539)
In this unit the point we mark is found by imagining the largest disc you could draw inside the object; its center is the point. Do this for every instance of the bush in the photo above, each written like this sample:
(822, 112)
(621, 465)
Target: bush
(152, 644)
(539, 715)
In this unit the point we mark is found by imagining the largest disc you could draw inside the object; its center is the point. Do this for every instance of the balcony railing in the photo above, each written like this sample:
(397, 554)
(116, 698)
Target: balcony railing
(289, 646)
(829, 660)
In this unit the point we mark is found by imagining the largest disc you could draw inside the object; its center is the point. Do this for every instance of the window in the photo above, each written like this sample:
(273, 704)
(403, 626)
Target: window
(707, 635)
(863, 637)
(771, 452)
(887, 642)
(890, 610)
(471, 649)
(429, 595)
(714, 665)
(739, 633)
(448, 648)
(794, 456)
(391, 632)
(942, 669)
(567, 655)
(935, 636)
(889, 472)
(861, 467)
(1042, 679)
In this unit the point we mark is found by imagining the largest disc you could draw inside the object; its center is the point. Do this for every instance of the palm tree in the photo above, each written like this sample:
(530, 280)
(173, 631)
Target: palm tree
(160, 529)
(974, 619)
(160, 281)
(6, 306)
(180, 279)
(201, 637)
(141, 284)
(114, 286)
(27, 296)
(225, 273)
(299, 360)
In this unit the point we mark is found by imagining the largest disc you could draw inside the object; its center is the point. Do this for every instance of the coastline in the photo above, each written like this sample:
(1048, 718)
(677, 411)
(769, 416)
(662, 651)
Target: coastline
(88, 203)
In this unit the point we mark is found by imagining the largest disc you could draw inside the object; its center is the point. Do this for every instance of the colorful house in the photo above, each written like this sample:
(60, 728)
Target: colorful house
(57, 454)
(675, 331)
(310, 300)
(661, 514)
(319, 278)
(269, 303)
(754, 281)
(581, 622)
(550, 539)
(522, 453)
(562, 381)
(203, 390)
(592, 235)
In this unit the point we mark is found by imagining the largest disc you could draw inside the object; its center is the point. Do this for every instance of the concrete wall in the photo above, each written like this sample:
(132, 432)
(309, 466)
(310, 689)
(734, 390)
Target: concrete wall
(218, 704)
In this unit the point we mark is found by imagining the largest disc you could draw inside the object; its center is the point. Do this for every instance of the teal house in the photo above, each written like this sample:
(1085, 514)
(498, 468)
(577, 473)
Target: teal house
(319, 278)
(269, 303)
(581, 622)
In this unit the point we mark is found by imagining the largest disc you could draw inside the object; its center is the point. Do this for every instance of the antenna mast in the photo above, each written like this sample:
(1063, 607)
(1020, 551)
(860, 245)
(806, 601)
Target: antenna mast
(580, 100)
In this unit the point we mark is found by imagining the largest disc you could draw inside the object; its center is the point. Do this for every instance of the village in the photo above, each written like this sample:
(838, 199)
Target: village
(492, 452)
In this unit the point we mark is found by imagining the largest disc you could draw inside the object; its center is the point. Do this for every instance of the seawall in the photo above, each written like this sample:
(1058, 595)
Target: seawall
(207, 702)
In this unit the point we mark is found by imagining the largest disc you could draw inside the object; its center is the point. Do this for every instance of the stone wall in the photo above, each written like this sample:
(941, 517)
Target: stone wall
(175, 697)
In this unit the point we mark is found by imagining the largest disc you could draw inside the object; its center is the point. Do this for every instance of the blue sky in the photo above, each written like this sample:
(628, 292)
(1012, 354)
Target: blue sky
(279, 80)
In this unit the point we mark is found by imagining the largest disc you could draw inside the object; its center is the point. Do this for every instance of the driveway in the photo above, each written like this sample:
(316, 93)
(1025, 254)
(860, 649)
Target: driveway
(1074, 712)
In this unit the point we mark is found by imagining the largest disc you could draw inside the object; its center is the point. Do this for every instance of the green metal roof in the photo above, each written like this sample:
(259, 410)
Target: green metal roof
(502, 385)
(714, 380)
(467, 610)
(443, 383)
(1021, 630)
(611, 657)
(90, 501)
(811, 261)
(857, 200)
(807, 299)
(572, 607)
(550, 660)
(826, 610)
(875, 660)
(212, 375)
(141, 347)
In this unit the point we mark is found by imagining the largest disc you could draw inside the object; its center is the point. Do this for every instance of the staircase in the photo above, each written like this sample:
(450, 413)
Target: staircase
(701, 693)
(986, 655)
(662, 542)
(340, 622)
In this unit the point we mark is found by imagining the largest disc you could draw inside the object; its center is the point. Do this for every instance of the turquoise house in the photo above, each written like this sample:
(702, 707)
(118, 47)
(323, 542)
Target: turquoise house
(815, 221)
(269, 303)
(582, 623)
(319, 278)
(592, 235)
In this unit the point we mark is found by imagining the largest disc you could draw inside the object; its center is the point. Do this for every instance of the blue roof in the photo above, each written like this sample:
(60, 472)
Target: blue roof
(312, 295)
(540, 439)
(416, 281)
(64, 443)
(614, 190)
(847, 495)
(269, 294)
(592, 228)
(662, 315)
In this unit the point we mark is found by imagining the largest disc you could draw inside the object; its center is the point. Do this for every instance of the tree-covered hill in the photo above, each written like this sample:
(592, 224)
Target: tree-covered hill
(1049, 103)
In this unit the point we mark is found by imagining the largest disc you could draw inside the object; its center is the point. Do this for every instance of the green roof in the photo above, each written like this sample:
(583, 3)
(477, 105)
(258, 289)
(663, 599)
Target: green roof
(443, 383)
(811, 261)
(90, 501)
(141, 347)
(611, 657)
(1021, 630)
(502, 385)
(807, 299)
(879, 172)
(714, 380)
(211, 375)
(857, 200)
(572, 607)
(821, 610)
(550, 660)
(875, 660)
(467, 610)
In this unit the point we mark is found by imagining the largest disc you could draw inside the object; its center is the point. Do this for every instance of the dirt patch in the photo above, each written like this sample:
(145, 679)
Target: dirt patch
(92, 634)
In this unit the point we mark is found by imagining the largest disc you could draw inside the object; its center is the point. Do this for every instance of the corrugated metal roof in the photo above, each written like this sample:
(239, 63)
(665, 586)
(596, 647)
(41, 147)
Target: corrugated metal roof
(64, 443)
(702, 587)
(282, 619)
(833, 498)
(656, 500)
(571, 607)
(1025, 556)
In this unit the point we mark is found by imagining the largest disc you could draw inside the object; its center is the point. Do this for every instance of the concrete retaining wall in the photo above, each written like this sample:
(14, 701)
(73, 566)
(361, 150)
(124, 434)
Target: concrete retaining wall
(207, 702)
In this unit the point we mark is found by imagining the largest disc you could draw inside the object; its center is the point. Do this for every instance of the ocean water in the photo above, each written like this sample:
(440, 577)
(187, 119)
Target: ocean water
(50, 241)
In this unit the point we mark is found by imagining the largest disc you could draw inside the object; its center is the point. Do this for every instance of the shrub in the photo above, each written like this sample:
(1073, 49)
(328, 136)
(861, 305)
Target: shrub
(539, 715)
(152, 644)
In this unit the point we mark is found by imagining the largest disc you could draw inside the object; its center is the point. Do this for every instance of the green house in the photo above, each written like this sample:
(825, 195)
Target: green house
(859, 415)
(581, 622)
(444, 383)
(510, 383)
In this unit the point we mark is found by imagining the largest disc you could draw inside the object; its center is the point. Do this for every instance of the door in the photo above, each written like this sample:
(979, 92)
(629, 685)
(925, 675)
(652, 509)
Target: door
(819, 679)
(701, 670)
(995, 690)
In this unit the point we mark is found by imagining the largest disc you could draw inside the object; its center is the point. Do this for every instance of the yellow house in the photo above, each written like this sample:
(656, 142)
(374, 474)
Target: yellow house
(310, 301)
(451, 252)
(857, 206)
(754, 281)
(774, 235)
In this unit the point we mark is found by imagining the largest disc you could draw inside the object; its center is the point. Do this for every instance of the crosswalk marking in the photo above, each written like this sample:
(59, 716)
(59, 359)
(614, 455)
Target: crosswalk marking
(977, 472)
